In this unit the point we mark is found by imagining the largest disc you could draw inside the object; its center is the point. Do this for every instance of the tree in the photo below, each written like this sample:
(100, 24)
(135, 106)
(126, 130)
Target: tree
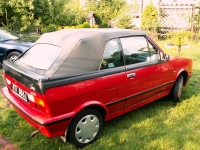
(125, 22)
(150, 18)
(49, 14)
(105, 10)
(5, 16)
(135, 5)
(73, 14)
(42, 11)
(16, 12)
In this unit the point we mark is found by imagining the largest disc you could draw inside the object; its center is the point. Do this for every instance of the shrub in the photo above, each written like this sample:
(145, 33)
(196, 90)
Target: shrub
(188, 34)
(104, 25)
(50, 28)
(179, 38)
(59, 28)
(125, 22)
(66, 27)
(86, 25)
(95, 26)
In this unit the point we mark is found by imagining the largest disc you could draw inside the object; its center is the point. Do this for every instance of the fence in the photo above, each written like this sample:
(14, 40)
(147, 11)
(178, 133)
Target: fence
(174, 17)
(177, 17)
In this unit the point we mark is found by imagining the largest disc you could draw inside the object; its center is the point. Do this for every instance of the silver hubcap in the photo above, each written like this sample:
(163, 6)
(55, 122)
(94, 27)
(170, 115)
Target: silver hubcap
(13, 57)
(87, 129)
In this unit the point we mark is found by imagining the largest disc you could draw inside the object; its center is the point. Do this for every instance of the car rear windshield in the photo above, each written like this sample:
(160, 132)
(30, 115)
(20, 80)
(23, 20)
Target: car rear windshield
(41, 56)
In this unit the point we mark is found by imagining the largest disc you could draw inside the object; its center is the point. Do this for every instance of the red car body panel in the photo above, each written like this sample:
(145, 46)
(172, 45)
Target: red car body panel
(140, 85)
(176, 65)
(86, 93)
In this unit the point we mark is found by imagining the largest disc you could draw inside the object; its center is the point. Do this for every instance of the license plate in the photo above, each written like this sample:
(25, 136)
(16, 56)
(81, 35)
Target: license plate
(20, 92)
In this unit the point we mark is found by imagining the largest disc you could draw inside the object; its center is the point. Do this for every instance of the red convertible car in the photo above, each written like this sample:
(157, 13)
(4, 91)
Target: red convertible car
(71, 81)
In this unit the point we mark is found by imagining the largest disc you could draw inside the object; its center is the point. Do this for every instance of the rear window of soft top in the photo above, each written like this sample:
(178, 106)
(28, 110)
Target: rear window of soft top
(41, 56)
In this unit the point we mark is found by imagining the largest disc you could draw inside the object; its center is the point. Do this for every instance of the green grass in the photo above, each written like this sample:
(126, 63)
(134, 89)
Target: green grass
(158, 125)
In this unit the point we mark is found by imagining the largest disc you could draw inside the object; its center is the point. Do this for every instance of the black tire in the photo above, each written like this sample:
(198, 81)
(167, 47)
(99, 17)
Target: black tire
(85, 128)
(177, 89)
(13, 55)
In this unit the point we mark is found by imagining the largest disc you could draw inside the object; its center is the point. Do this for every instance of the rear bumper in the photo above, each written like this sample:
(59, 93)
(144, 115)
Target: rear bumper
(49, 126)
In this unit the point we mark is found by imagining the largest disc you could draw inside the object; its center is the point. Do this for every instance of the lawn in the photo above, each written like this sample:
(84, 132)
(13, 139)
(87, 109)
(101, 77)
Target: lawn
(159, 125)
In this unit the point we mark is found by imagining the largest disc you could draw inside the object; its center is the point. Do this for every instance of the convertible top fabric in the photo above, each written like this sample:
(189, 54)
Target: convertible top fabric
(82, 49)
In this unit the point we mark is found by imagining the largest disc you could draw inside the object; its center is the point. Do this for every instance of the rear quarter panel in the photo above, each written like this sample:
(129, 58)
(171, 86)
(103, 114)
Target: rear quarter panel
(95, 92)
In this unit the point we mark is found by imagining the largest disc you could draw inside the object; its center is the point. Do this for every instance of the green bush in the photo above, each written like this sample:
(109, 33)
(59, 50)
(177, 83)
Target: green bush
(67, 27)
(179, 38)
(104, 25)
(86, 25)
(59, 28)
(50, 28)
(182, 35)
(95, 26)
(188, 34)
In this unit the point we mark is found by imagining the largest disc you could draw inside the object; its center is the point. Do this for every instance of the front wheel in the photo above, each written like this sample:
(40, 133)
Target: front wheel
(177, 89)
(85, 128)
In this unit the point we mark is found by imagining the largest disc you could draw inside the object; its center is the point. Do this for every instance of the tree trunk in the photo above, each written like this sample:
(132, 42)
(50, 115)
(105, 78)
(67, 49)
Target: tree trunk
(179, 50)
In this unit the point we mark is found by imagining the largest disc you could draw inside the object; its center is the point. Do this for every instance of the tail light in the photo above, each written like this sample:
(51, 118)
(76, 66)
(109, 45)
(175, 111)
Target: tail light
(36, 100)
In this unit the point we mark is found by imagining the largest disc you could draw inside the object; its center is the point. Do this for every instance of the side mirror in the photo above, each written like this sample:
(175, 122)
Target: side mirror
(164, 57)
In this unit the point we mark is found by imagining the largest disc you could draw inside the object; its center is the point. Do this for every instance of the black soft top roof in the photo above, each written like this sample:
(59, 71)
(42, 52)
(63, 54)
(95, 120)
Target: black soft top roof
(82, 49)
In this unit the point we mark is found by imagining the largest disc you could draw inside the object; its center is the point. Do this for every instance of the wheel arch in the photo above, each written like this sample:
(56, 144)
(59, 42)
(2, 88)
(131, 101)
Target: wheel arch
(184, 73)
(92, 105)
(10, 51)
(185, 77)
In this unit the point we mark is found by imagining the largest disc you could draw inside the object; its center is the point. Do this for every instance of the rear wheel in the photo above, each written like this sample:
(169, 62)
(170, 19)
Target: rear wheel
(13, 55)
(177, 89)
(85, 128)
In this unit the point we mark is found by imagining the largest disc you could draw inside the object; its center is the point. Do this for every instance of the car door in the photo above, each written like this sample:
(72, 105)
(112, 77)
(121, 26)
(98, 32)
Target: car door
(146, 74)
(114, 80)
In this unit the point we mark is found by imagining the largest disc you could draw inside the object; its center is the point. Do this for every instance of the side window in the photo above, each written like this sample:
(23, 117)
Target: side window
(112, 56)
(153, 53)
(136, 50)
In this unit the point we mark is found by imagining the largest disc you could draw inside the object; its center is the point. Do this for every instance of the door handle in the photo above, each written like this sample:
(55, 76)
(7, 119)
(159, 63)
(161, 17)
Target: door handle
(130, 75)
